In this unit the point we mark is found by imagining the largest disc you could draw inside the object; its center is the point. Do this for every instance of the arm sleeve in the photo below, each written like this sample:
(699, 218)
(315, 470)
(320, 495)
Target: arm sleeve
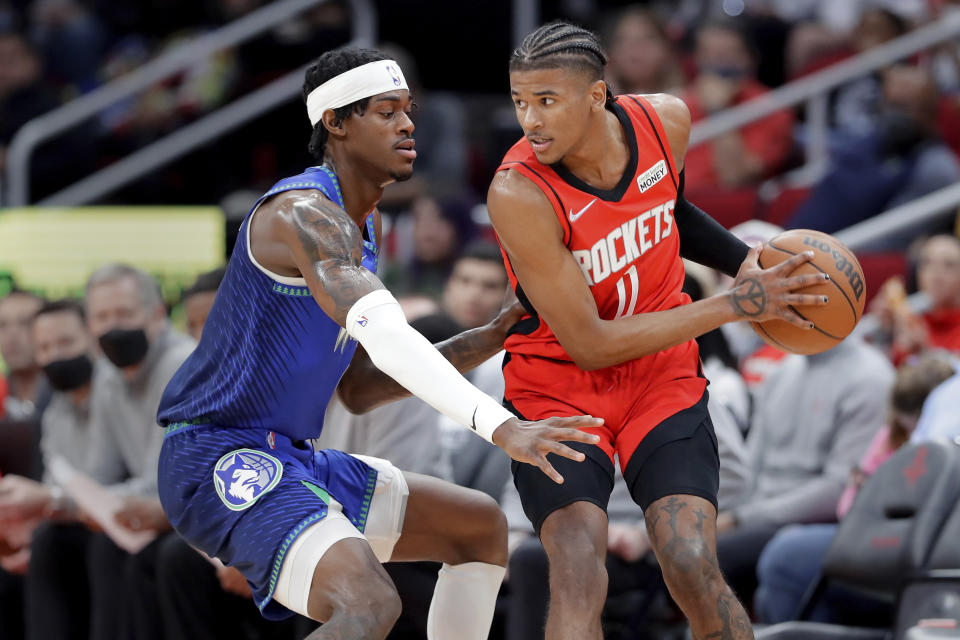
(377, 322)
(704, 240)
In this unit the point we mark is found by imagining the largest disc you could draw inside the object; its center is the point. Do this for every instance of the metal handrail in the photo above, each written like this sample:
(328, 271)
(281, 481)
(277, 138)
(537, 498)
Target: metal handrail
(50, 124)
(930, 207)
(814, 88)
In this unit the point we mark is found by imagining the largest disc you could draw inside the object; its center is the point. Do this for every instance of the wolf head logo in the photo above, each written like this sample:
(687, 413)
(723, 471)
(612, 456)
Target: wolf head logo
(242, 476)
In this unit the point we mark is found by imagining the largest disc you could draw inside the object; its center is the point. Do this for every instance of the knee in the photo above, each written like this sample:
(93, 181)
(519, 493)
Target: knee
(375, 607)
(577, 562)
(690, 569)
(486, 538)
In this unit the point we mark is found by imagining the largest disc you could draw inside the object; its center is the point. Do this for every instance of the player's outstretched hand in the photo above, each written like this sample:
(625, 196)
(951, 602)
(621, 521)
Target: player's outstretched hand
(530, 442)
(769, 294)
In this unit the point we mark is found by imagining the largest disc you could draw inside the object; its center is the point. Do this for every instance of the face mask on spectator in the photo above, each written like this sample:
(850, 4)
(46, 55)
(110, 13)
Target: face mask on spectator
(69, 374)
(124, 347)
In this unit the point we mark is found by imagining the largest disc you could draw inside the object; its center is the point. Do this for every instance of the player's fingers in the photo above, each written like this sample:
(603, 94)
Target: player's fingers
(563, 450)
(805, 300)
(793, 318)
(574, 435)
(806, 280)
(788, 265)
(575, 421)
(752, 261)
(548, 469)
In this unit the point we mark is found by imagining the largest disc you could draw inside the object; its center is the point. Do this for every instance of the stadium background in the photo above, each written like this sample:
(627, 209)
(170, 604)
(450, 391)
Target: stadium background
(839, 158)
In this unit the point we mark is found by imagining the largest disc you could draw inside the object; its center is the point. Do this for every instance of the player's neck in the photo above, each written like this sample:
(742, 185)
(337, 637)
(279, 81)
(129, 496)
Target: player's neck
(602, 156)
(360, 193)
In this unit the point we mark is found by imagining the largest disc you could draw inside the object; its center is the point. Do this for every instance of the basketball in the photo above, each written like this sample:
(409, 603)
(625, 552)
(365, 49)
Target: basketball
(846, 290)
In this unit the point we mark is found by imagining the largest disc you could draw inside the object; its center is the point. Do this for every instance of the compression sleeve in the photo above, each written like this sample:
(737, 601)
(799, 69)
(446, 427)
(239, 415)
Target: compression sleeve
(704, 240)
(377, 322)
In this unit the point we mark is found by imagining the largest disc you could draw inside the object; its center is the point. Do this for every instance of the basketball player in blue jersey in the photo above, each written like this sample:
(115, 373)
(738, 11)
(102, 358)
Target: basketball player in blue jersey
(238, 478)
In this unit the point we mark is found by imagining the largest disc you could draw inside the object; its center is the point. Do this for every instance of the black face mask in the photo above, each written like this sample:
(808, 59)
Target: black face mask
(70, 374)
(124, 347)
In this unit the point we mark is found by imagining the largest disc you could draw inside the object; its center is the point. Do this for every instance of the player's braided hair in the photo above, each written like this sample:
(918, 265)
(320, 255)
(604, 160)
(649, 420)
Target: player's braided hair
(561, 44)
(327, 66)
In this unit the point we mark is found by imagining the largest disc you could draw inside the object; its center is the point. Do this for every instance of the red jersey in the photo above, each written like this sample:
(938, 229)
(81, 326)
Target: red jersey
(628, 248)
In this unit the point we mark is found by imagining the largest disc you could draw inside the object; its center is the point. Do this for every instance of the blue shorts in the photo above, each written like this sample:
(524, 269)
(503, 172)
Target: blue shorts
(244, 495)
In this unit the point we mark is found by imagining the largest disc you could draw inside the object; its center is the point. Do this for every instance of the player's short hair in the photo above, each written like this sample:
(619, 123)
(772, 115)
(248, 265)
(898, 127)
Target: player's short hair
(148, 289)
(560, 45)
(207, 282)
(328, 66)
(63, 305)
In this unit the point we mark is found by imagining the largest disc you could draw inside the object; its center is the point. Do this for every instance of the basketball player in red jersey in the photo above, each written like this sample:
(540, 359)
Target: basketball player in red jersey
(591, 217)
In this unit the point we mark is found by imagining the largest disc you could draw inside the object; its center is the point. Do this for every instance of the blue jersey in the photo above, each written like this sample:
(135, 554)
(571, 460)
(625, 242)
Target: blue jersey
(269, 357)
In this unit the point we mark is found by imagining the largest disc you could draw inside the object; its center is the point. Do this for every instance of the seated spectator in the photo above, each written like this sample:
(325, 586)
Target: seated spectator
(24, 95)
(427, 244)
(726, 78)
(630, 564)
(127, 317)
(939, 419)
(640, 55)
(791, 561)
(933, 321)
(813, 419)
(197, 300)
(27, 391)
(899, 160)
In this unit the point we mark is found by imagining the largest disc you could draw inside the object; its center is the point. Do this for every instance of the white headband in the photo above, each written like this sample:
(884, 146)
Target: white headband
(356, 84)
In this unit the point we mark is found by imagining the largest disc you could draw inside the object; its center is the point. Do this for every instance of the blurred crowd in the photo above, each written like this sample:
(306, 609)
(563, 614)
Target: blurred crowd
(798, 435)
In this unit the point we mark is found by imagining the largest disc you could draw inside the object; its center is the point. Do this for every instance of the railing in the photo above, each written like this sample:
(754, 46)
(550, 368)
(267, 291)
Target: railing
(53, 123)
(814, 89)
(929, 208)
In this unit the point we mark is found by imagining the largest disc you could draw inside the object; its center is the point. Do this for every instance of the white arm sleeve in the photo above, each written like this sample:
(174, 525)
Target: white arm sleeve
(377, 322)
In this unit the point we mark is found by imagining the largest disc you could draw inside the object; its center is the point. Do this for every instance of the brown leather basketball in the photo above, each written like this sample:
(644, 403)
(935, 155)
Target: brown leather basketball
(846, 290)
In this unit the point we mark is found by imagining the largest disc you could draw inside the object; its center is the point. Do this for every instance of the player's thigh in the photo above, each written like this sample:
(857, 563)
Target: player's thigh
(447, 523)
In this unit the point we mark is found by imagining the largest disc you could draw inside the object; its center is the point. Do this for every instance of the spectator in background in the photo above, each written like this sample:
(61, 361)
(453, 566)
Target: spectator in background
(726, 78)
(65, 352)
(939, 419)
(474, 292)
(640, 55)
(24, 95)
(901, 159)
(197, 300)
(430, 241)
(813, 419)
(27, 391)
(790, 563)
(72, 41)
(933, 321)
(127, 317)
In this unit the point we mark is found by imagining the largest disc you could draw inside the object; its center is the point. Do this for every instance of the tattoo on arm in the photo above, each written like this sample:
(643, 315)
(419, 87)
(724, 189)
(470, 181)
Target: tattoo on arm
(748, 298)
(330, 243)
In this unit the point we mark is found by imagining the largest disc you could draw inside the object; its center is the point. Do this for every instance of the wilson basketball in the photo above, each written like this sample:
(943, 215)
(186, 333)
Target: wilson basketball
(846, 290)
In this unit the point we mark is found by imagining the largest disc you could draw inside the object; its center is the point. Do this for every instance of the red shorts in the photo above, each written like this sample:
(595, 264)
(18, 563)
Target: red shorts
(632, 397)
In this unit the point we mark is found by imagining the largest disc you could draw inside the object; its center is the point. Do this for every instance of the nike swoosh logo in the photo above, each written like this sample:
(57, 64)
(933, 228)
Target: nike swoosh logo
(574, 216)
(473, 420)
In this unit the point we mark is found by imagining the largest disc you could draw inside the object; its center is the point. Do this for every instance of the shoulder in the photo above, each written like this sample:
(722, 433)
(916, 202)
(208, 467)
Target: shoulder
(177, 347)
(675, 118)
(512, 189)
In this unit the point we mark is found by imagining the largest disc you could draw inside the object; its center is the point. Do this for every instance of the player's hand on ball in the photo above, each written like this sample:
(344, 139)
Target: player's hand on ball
(530, 442)
(769, 294)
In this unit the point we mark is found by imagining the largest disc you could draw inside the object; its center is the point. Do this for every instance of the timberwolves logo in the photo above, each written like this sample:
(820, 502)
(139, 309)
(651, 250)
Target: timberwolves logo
(394, 75)
(242, 476)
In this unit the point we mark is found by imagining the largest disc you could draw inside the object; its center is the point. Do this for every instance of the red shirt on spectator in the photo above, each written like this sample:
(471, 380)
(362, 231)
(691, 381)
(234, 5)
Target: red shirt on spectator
(770, 139)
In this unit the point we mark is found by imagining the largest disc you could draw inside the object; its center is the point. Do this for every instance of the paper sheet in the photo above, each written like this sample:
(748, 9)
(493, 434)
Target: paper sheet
(99, 504)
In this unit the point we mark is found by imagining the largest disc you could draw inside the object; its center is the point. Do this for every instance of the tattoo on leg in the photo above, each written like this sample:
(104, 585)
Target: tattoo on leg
(733, 619)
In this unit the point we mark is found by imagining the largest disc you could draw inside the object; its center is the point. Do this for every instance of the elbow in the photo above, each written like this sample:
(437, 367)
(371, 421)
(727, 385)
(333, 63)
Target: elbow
(351, 397)
(592, 357)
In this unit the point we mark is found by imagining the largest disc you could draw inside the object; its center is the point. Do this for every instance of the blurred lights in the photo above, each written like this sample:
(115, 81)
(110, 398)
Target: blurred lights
(733, 7)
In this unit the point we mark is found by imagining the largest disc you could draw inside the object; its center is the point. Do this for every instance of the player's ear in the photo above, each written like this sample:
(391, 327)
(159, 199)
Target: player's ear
(598, 95)
(332, 124)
